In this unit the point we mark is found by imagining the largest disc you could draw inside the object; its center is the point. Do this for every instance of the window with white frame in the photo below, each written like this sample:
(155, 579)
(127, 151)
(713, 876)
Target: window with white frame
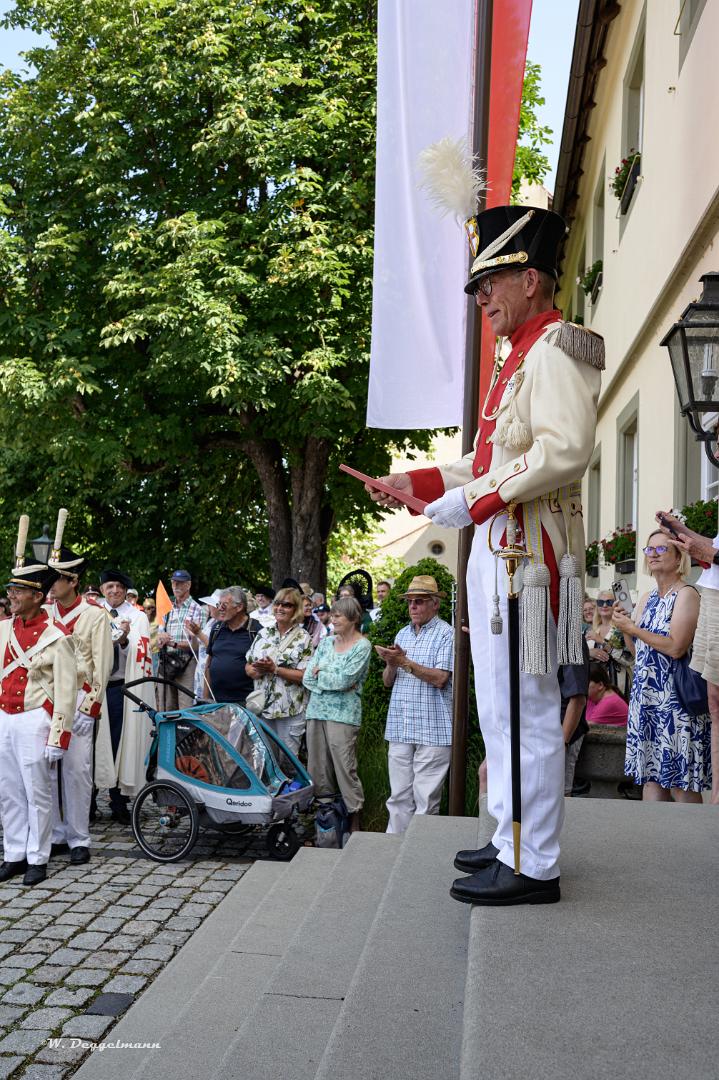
(627, 492)
(690, 12)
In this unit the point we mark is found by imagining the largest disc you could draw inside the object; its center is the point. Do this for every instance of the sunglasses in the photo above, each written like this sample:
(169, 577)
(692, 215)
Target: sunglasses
(283, 604)
(604, 603)
(660, 549)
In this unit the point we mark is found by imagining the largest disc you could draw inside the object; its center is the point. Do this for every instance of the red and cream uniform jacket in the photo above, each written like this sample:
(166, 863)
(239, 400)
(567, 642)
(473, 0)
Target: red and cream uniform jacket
(536, 437)
(90, 628)
(39, 672)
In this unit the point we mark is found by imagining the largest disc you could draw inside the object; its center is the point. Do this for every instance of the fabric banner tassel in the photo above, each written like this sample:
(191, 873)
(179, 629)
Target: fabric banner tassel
(569, 630)
(534, 608)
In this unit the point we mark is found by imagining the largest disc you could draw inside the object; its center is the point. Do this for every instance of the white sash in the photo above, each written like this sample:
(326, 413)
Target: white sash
(22, 658)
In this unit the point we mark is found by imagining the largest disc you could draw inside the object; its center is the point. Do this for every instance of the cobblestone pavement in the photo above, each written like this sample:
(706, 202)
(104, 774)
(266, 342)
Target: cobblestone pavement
(106, 928)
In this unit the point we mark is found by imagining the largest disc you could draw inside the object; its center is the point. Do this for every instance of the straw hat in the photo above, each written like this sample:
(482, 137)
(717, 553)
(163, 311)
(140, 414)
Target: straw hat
(423, 585)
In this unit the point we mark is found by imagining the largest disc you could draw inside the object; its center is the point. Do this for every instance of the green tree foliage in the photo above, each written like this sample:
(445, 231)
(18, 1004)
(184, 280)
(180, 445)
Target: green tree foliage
(186, 218)
(371, 746)
(531, 163)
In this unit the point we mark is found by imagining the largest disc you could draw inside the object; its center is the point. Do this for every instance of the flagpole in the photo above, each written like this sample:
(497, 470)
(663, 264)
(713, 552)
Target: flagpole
(473, 342)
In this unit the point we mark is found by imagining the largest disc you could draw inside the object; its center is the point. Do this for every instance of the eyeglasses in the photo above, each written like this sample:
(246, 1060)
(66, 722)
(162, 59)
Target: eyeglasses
(485, 285)
(419, 600)
(283, 604)
(660, 549)
(604, 603)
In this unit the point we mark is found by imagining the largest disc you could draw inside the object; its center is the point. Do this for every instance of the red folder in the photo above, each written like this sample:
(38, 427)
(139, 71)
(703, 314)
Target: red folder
(411, 501)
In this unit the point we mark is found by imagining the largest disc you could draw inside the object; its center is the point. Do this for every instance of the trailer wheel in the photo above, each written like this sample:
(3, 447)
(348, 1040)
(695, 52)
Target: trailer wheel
(282, 842)
(165, 821)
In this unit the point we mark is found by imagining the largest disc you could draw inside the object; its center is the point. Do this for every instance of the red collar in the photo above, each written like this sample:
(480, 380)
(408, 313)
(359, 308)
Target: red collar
(64, 610)
(32, 624)
(529, 331)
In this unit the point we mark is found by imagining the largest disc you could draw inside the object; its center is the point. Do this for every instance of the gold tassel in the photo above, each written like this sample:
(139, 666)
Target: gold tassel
(513, 433)
(534, 608)
(569, 630)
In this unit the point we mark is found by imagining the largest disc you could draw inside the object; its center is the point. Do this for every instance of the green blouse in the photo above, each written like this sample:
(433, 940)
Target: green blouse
(336, 689)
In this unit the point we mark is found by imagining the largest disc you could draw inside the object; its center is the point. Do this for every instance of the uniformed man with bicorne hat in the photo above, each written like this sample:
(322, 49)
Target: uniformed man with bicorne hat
(536, 436)
(38, 686)
(89, 625)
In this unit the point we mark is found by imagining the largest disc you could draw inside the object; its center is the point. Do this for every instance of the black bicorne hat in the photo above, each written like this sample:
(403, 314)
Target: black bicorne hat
(516, 237)
(37, 576)
(69, 564)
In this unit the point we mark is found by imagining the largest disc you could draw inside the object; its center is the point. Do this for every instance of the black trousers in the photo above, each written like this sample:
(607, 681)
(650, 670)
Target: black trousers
(115, 709)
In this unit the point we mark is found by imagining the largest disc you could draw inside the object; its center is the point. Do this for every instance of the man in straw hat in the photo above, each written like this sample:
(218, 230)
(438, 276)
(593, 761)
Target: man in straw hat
(90, 628)
(38, 685)
(419, 719)
(535, 439)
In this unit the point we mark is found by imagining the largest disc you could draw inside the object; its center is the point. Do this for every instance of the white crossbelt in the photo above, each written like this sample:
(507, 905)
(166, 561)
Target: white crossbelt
(22, 658)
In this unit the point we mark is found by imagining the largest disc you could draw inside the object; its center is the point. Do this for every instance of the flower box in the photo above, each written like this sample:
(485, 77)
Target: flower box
(620, 547)
(624, 567)
(625, 179)
(593, 570)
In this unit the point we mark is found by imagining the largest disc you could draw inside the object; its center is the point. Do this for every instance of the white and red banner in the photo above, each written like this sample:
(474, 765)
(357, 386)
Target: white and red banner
(424, 94)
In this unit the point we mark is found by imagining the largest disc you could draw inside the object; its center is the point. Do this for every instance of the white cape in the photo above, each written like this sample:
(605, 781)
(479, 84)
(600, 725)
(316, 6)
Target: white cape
(136, 726)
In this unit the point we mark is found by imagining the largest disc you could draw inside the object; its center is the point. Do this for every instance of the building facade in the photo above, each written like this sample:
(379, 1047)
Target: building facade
(642, 98)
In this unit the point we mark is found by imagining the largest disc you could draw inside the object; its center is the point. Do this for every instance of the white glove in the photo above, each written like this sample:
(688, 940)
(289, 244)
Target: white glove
(451, 511)
(53, 753)
(83, 725)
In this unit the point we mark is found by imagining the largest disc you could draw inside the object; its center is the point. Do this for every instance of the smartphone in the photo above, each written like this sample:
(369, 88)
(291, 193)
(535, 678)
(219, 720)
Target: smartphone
(666, 523)
(622, 596)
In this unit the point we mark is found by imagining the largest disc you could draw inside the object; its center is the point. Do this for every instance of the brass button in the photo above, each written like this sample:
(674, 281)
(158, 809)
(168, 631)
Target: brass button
(517, 467)
(480, 470)
(492, 483)
(488, 440)
(505, 380)
(520, 354)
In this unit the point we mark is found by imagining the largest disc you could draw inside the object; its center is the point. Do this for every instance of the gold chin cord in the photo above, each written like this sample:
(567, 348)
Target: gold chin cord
(513, 554)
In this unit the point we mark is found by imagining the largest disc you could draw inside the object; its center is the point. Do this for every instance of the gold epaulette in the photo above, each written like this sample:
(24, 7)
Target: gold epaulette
(579, 343)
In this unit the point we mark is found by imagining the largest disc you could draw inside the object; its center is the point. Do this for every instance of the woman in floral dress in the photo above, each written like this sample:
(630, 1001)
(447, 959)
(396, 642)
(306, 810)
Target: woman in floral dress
(276, 660)
(668, 750)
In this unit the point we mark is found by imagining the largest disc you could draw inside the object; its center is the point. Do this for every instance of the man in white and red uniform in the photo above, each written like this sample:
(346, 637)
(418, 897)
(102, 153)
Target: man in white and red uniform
(90, 628)
(37, 706)
(535, 439)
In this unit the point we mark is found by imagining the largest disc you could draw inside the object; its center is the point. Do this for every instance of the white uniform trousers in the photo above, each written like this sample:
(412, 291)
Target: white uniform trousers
(73, 828)
(25, 786)
(416, 776)
(542, 741)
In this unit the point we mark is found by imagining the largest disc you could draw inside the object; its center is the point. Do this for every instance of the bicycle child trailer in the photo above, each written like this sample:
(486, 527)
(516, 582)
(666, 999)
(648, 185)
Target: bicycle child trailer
(216, 766)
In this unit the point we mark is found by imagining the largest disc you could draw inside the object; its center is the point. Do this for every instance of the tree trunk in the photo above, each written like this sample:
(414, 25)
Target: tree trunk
(309, 553)
(266, 456)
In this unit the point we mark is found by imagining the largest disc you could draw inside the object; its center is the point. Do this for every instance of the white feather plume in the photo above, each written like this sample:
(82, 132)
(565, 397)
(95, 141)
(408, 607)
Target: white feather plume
(454, 183)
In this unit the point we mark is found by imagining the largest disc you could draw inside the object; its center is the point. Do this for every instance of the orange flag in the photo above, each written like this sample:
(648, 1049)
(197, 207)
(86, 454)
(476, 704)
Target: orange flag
(163, 604)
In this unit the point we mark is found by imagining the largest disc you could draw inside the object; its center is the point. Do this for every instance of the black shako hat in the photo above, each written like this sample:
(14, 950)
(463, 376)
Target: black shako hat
(69, 563)
(516, 237)
(38, 576)
(109, 574)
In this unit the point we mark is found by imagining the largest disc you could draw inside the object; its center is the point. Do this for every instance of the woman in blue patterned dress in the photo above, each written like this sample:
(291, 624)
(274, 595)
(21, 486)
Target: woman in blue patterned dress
(668, 751)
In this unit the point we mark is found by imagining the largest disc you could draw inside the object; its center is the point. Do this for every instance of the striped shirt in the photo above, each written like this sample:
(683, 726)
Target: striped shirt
(188, 610)
(419, 713)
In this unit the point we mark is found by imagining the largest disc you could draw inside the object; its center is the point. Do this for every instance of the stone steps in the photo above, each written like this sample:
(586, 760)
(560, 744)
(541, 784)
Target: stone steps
(402, 1016)
(357, 965)
(288, 1029)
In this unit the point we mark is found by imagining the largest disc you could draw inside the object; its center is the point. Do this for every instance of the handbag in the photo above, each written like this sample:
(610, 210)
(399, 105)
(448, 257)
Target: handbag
(174, 661)
(690, 688)
(256, 701)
